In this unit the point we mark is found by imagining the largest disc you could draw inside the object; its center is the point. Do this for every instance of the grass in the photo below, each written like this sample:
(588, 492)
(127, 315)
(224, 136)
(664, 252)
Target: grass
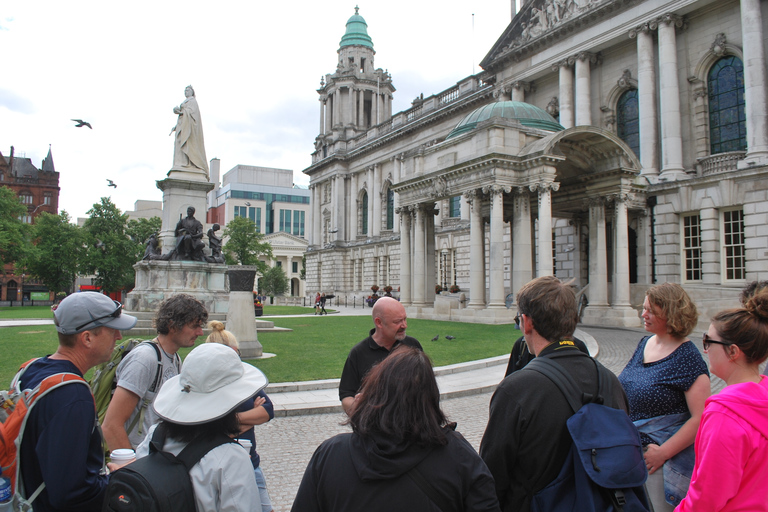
(10, 313)
(315, 349)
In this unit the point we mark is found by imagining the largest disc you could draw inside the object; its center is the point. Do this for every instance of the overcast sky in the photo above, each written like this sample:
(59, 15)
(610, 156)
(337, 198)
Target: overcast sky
(255, 67)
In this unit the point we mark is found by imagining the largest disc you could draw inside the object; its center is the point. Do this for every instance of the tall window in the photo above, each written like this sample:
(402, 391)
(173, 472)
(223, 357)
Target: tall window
(390, 209)
(733, 244)
(727, 120)
(25, 197)
(258, 220)
(454, 207)
(47, 199)
(628, 120)
(365, 213)
(692, 247)
(285, 221)
(241, 211)
(298, 222)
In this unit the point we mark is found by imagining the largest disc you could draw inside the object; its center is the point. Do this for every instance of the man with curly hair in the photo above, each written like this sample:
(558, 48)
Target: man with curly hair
(179, 321)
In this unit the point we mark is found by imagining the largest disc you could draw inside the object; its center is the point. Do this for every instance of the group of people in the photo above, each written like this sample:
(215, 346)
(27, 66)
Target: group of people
(702, 453)
(320, 299)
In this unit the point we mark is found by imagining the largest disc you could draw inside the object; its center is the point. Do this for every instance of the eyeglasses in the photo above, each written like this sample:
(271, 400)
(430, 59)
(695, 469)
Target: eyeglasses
(115, 314)
(517, 319)
(707, 341)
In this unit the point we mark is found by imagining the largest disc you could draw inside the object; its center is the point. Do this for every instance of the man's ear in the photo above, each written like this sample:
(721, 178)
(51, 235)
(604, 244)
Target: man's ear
(527, 325)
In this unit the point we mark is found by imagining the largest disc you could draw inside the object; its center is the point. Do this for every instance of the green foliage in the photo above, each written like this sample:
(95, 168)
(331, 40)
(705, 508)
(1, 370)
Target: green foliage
(13, 241)
(139, 230)
(56, 252)
(303, 274)
(110, 252)
(245, 244)
(274, 282)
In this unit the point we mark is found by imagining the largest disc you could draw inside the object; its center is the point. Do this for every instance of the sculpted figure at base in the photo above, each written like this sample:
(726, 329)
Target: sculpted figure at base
(214, 242)
(152, 252)
(189, 234)
(189, 148)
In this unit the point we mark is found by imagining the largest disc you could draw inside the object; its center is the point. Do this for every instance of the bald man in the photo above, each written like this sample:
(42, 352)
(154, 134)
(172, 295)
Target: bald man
(390, 323)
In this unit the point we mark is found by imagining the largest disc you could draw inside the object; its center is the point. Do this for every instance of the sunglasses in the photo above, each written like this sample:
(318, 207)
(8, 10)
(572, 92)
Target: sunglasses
(707, 341)
(115, 314)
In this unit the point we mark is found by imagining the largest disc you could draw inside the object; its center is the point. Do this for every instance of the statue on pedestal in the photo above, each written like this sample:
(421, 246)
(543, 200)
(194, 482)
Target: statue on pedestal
(189, 234)
(189, 148)
(214, 242)
(152, 252)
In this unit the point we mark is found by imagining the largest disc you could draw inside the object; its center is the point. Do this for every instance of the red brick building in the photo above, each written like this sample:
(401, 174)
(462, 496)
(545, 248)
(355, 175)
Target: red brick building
(38, 190)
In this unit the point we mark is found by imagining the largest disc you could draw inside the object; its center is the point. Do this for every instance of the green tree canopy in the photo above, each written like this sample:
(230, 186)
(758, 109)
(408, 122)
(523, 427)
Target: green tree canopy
(56, 252)
(274, 282)
(110, 252)
(139, 231)
(13, 232)
(245, 245)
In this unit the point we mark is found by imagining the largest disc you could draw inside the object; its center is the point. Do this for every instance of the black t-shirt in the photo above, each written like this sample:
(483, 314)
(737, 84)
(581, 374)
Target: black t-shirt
(521, 356)
(361, 359)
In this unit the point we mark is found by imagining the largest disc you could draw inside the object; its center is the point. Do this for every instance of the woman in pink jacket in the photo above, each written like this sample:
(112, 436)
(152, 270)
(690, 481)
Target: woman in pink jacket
(732, 441)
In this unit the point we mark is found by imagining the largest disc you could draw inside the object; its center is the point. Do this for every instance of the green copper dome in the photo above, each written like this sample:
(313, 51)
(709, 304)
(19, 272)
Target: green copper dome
(357, 32)
(527, 115)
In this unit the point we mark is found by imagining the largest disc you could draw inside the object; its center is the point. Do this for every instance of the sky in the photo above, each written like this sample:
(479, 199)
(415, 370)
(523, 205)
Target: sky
(255, 67)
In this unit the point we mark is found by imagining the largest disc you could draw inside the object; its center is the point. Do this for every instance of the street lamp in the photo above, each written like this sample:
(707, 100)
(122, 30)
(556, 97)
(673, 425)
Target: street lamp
(21, 290)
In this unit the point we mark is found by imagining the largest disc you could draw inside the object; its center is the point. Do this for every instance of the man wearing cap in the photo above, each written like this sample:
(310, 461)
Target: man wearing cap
(61, 444)
(390, 323)
(179, 321)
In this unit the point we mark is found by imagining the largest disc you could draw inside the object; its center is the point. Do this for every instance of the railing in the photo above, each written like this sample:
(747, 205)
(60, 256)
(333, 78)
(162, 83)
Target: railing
(720, 162)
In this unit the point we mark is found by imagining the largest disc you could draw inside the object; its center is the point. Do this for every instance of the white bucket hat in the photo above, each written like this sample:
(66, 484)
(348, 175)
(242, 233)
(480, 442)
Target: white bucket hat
(212, 383)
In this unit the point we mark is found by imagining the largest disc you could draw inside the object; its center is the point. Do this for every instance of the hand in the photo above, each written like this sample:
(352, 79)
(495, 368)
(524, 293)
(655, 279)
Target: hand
(112, 467)
(259, 401)
(654, 458)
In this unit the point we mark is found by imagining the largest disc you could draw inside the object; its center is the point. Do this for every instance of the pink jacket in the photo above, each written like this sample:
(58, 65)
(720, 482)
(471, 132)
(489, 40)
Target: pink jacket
(731, 472)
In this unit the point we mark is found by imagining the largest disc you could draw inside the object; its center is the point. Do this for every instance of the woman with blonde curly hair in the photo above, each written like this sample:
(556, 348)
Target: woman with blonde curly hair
(667, 383)
(731, 445)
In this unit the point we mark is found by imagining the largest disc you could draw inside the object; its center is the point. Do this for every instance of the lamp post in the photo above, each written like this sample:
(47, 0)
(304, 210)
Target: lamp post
(21, 290)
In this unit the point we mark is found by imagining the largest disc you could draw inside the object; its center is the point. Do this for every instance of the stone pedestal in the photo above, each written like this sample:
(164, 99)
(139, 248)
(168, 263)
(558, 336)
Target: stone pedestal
(158, 280)
(178, 195)
(241, 320)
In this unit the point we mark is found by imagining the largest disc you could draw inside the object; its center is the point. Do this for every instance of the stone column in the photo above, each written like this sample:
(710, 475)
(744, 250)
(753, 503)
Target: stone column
(419, 262)
(583, 97)
(336, 107)
(621, 253)
(352, 215)
(519, 89)
(317, 216)
(352, 117)
(339, 202)
(671, 132)
(377, 199)
(755, 81)
(361, 110)
(496, 245)
(544, 252)
(710, 243)
(241, 318)
(406, 285)
(476, 252)
(646, 100)
(398, 167)
(371, 200)
(429, 253)
(598, 263)
(522, 246)
(322, 115)
(566, 93)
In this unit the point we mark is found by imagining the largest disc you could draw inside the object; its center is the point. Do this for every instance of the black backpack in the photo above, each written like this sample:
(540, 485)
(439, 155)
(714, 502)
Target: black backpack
(160, 481)
(604, 470)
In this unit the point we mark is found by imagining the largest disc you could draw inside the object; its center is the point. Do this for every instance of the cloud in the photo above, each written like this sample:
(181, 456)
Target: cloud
(15, 102)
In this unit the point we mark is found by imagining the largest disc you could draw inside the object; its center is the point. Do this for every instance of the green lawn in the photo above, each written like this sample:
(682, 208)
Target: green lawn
(7, 313)
(315, 349)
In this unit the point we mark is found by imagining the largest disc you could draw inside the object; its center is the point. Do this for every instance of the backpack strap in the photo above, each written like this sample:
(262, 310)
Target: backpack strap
(198, 448)
(435, 497)
(145, 403)
(570, 389)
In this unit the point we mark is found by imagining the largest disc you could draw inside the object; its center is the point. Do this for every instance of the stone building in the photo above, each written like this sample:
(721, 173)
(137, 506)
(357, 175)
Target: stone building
(38, 190)
(618, 143)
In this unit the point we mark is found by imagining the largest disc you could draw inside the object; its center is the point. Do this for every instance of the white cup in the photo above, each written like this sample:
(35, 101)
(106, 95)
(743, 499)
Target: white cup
(122, 456)
(245, 443)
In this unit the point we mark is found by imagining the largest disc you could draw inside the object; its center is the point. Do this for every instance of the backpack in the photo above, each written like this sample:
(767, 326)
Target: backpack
(103, 382)
(14, 411)
(604, 469)
(160, 481)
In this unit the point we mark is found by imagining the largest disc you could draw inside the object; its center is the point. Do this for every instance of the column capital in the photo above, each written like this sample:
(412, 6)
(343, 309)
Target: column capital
(553, 186)
(470, 195)
(645, 28)
(669, 19)
(496, 189)
(565, 63)
(519, 84)
(593, 202)
(586, 56)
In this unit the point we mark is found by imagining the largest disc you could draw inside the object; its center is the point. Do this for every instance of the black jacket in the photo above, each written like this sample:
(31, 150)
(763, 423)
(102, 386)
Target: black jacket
(348, 473)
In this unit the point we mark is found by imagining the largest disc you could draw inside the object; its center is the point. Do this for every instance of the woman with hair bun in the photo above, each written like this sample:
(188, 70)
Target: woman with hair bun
(732, 442)
(667, 383)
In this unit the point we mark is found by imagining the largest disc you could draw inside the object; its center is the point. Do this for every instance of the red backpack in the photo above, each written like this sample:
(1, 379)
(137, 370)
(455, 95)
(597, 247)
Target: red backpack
(14, 410)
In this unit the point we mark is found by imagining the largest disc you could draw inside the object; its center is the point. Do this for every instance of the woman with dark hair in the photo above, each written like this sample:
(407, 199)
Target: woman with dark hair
(202, 402)
(667, 382)
(732, 442)
(401, 455)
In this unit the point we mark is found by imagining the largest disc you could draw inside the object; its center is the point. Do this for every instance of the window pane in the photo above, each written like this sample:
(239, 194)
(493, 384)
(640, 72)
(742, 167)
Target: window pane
(728, 131)
(628, 120)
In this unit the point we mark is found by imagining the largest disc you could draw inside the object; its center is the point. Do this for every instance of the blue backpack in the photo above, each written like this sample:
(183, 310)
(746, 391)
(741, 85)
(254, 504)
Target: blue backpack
(604, 469)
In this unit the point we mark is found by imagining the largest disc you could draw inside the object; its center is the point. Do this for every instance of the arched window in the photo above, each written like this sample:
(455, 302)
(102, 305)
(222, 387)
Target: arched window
(390, 209)
(365, 213)
(727, 121)
(627, 120)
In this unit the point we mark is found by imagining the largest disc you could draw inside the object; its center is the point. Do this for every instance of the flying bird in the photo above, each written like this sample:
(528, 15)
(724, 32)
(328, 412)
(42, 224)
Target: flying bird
(436, 338)
(111, 183)
(81, 123)
(449, 337)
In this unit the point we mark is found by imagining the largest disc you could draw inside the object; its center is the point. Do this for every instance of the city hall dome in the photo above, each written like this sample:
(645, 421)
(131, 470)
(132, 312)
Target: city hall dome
(525, 114)
(357, 32)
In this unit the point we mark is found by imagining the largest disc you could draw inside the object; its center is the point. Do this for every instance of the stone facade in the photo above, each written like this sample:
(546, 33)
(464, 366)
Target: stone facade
(656, 174)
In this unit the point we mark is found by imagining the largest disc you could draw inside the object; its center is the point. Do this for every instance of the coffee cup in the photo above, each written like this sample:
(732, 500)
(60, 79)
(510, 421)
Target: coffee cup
(245, 443)
(122, 456)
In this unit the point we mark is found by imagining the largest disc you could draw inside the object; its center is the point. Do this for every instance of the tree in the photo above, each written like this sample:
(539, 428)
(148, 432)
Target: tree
(57, 251)
(245, 245)
(139, 230)
(13, 232)
(110, 252)
(303, 273)
(274, 282)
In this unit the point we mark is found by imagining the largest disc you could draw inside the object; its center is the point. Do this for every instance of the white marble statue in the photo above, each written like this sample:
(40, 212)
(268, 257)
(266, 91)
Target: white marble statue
(189, 148)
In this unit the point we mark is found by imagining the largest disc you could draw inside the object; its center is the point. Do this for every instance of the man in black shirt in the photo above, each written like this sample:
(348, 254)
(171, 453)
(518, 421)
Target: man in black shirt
(390, 323)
